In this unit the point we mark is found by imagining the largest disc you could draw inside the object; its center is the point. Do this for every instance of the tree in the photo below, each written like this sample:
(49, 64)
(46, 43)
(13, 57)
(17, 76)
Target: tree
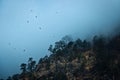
(70, 44)
(30, 60)
(86, 45)
(67, 39)
(23, 67)
(31, 64)
(60, 45)
(60, 76)
(9, 78)
(40, 61)
(50, 48)
(99, 44)
(15, 77)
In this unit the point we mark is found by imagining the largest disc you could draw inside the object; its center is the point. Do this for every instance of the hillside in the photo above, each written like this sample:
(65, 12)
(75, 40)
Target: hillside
(98, 59)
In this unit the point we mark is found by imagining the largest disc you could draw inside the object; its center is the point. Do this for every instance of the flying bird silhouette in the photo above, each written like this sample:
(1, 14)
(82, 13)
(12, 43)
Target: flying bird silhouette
(56, 12)
(31, 10)
(35, 16)
(39, 28)
(14, 48)
(27, 21)
(24, 50)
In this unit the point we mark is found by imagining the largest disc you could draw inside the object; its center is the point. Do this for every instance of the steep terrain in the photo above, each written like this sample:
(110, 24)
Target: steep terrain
(98, 59)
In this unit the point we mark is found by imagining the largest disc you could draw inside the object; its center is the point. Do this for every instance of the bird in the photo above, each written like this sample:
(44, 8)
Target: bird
(40, 28)
(35, 16)
(57, 12)
(14, 48)
(31, 10)
(24, 50)
(27, 21)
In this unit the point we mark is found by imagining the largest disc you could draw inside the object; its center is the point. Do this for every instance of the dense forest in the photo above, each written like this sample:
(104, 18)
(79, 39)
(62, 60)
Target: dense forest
(96, 59)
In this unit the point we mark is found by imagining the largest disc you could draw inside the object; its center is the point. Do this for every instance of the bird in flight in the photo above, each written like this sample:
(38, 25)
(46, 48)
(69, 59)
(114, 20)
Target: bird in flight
(31, 10)
(40, 28)
(24, 50)
(9, 43)
(27, 21)
(35, 16)
(14, 48)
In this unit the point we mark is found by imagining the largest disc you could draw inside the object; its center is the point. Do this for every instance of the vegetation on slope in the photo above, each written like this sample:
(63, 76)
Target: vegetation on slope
(98, 59)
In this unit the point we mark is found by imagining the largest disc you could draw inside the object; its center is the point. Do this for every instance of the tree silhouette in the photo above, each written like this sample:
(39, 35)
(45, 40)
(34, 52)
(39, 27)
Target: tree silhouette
(50, 48)
(60, 76)
(15, 77)
(67, 39)
(9, 78)
(31, 64)
(23, 67)
(79, 59)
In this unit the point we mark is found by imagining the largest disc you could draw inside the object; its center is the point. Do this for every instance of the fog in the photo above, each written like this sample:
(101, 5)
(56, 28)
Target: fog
(28, 27)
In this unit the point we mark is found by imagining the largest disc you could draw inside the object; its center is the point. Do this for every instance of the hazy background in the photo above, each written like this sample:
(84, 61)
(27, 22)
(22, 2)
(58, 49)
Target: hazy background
(28, 27)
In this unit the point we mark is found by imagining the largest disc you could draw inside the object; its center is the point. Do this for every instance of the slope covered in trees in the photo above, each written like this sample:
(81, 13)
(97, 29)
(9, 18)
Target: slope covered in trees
(98, 59)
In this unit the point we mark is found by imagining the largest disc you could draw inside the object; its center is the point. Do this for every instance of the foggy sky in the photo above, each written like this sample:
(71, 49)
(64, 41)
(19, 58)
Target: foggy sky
(32, 25)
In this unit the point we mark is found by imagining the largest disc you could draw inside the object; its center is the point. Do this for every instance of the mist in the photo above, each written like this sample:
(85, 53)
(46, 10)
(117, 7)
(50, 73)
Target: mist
(28, 27)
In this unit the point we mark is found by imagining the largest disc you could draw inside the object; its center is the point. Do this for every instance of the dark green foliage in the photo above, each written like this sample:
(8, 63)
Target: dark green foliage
(9, 78)
(40, 61)
(114, 44)
(51, 49)
(70, 44)
(23, 67)
(60, 76)
(107, 56)
(27, 70)
(96, 60)
(66, 39)
(15, 77)
(31, 64)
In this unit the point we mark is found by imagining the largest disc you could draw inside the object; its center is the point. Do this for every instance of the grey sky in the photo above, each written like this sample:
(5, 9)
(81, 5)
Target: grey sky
(35, 24)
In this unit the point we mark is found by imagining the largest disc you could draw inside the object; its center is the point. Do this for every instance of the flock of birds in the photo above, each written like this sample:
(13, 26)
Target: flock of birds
(35, 17)
(24, 50)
